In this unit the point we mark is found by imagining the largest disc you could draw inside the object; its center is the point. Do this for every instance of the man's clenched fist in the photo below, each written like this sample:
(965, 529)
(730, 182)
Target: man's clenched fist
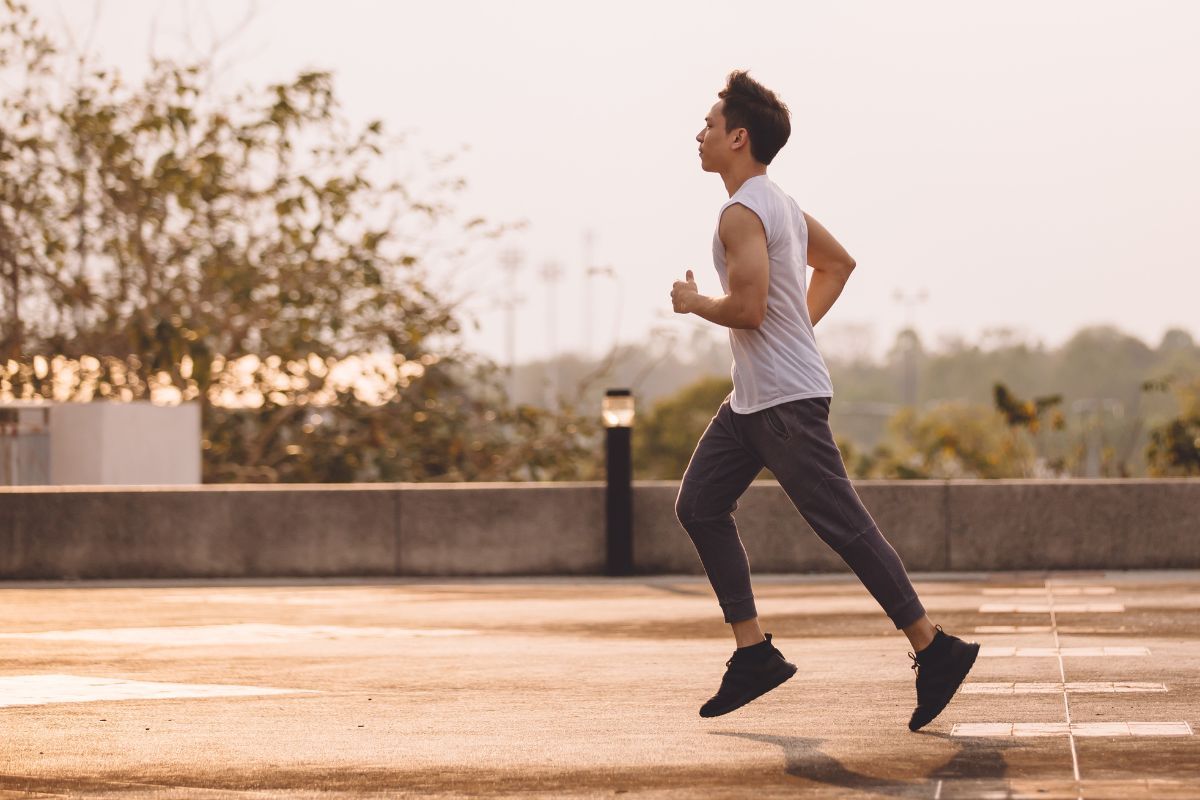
(684, 294)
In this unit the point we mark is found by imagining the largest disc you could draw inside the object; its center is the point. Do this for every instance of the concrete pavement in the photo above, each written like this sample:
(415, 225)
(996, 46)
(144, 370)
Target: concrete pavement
(589, 688)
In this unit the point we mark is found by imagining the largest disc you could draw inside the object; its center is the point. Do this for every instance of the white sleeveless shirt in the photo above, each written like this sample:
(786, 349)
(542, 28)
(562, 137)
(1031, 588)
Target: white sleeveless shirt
(779, 361)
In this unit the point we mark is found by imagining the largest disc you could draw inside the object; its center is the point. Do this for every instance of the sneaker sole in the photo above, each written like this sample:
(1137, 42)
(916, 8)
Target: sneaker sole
(776, 681)
(970, 662)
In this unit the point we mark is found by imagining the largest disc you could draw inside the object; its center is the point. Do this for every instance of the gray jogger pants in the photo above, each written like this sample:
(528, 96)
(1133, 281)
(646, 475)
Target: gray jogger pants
(794, 441)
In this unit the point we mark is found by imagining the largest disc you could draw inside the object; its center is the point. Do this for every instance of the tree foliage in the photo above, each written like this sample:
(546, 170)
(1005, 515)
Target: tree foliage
(1174, 448)
(664, 438)
(945, 440)
(247, 252)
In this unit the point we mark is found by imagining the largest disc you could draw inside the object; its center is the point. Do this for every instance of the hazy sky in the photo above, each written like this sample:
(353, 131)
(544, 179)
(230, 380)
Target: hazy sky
(1027, 164)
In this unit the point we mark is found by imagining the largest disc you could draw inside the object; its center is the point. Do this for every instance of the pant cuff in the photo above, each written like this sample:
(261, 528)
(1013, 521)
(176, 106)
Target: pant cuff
(739, 610)
(908, 613)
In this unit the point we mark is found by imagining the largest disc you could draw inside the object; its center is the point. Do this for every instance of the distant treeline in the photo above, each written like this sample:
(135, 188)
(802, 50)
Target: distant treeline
(1097, 362)
(922, 412)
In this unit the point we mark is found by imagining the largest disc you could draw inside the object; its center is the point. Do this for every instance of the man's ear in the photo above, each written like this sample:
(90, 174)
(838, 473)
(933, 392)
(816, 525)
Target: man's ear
(740, 138)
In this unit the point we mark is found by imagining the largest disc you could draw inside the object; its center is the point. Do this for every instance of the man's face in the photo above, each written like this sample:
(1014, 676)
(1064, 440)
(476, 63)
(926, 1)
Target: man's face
(715, 150)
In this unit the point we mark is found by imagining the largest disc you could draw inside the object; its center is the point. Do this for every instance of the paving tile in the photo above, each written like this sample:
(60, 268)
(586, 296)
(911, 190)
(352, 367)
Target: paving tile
(1039, 728)
(992, 651)
(1100, 728)
(1013, 629)
(1044, 608)
(1059, 591)
(1160, 729)
(1138, 687)
(1080, 687)
(1085, 729)
(982, 729)
(240, 633)
(33, 690)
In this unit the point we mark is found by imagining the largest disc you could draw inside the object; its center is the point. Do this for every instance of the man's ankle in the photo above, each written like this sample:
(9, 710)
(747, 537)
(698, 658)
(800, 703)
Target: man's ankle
(756, 652)
(747, 632)
(921, 634)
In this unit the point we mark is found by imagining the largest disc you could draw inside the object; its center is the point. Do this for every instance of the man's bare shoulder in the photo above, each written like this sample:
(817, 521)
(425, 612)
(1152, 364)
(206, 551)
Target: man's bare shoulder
(738, 223)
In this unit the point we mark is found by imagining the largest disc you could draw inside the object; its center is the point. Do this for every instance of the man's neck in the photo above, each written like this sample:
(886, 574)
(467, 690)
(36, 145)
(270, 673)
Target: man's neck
(741, 173)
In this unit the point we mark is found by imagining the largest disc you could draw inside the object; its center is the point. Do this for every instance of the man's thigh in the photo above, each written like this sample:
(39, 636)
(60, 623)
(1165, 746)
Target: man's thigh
(796, 443)
(720, 470)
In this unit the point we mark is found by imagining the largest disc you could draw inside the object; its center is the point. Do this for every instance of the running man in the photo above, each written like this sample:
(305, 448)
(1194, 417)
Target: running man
(778, 413)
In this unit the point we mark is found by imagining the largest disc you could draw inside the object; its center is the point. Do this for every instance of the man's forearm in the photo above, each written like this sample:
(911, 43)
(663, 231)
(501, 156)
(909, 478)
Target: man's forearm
(725, 310)
(823, 290)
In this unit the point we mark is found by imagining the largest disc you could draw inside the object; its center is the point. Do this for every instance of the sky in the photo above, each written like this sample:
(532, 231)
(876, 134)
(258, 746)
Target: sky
(1025, 165)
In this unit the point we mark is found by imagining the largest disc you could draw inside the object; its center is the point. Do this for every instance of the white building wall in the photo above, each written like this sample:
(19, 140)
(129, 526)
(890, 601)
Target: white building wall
(125, 444)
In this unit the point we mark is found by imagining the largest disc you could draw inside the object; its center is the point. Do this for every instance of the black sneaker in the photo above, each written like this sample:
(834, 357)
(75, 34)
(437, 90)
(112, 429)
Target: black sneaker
(748, 675)
(941, 668)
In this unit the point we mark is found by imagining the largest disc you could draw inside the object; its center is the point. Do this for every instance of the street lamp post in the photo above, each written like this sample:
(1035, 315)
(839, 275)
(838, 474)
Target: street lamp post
(617, 413)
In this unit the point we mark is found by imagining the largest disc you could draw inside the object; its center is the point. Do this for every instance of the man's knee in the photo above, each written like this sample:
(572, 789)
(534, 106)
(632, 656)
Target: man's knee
(684, 505)
(696, 503)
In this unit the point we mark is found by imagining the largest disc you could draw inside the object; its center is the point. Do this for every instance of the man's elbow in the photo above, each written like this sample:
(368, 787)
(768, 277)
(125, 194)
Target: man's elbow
(753, 319)
(840, 269)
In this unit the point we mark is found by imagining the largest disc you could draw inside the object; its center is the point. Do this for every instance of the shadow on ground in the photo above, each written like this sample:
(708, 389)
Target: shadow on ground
(976, 759)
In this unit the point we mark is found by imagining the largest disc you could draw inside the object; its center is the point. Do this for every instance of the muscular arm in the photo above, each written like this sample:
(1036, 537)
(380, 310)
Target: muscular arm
(748, 269)
(831, 265)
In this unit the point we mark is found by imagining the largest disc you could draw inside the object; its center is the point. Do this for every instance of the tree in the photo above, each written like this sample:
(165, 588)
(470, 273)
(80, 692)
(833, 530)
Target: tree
(1174, 448)
(161, 241)
(29, 191)
(663, 439)
(955, 440)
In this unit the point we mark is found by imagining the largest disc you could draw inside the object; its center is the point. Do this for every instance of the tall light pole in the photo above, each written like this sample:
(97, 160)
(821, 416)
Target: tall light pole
(910, 301)
(551, 273)
(1090, 411)
(591, 271)
(510, 263)
(611, 274)
(589, 239)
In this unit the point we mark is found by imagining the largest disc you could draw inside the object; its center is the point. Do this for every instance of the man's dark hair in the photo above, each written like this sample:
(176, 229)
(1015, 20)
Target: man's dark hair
(750, 105)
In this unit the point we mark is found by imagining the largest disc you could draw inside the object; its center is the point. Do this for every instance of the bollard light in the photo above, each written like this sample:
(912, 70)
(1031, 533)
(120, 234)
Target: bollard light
(617, 410)
(617, 413)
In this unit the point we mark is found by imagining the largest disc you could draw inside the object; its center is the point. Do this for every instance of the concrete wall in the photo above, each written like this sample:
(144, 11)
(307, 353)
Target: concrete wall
(532, 529)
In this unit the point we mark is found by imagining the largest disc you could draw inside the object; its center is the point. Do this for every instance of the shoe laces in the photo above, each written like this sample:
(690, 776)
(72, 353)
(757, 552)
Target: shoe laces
(916, 664)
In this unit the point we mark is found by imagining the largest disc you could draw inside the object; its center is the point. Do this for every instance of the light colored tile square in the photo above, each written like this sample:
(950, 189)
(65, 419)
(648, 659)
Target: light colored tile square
(1089, 608)
(1014, 608)
(1100, 728)
(982, 729)
(1012, 628)
(1023, 591)
(33, 690)
(997, 652)
(1056, 591)
(1160, 729)
(1081, 729)
(241, 633)
(1044, 608)
(1081, 652)
(1126, 651)
(1037, 688)
(1036, 652)
(1039, 728)
(987, 688)
(1090, 687)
